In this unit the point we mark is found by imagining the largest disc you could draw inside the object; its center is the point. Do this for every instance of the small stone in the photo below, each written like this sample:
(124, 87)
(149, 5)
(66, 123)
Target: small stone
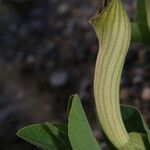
(146, 94)
(58, 78)
(63, 8)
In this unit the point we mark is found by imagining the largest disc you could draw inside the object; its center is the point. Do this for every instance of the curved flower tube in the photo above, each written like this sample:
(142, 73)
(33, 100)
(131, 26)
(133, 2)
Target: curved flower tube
(113, 30)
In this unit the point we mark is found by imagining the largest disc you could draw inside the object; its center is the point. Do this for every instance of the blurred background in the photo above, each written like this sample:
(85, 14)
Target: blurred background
(48, 52)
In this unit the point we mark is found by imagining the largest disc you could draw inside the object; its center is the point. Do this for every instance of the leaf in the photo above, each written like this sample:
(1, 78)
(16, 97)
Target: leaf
(80, 133)
(62, 127)
(143, 22)
(143, 13)
(60, 134)
(136, 33)
(46, 136)
(137, 141)
(134, 121)
(40, 136)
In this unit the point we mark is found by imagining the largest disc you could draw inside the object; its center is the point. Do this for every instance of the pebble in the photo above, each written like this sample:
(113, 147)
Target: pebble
(58, 78)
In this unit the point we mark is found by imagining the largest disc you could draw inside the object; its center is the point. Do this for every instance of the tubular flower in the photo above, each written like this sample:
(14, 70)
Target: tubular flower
(113, 30)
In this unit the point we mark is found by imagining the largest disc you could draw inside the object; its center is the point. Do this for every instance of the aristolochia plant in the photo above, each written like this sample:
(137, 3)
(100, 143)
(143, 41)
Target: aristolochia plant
(113, 30)
(123, 127)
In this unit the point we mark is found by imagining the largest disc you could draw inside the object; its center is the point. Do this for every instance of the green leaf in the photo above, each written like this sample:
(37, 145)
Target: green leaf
(62, 127)
(80, 133)
(136, 33)
(142, 14)
(137, 142)
(135, 125)
(60, 134)
(40, 136)
(46, 136)
(134, 121)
